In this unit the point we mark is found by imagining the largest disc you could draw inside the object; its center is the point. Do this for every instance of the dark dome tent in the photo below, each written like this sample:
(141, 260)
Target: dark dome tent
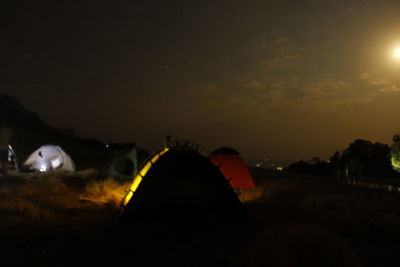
(124, 164)
(180, 185)
(233, 167)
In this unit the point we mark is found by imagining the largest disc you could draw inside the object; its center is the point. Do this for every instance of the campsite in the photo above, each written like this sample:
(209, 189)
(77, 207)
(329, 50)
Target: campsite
(183, 205)
(200, 133)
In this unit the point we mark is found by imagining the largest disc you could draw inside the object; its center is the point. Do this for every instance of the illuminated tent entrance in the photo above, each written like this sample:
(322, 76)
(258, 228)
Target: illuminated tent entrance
(48, 158)
(233, 167)
(180, 185)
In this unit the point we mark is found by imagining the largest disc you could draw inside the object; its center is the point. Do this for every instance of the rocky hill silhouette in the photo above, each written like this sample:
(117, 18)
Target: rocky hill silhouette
(30, 132)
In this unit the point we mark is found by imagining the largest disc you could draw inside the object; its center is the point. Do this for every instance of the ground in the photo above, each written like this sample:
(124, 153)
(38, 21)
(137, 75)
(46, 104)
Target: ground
(62, 219)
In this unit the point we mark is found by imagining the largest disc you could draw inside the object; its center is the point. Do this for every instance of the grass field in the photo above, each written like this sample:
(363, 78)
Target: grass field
(61, 219)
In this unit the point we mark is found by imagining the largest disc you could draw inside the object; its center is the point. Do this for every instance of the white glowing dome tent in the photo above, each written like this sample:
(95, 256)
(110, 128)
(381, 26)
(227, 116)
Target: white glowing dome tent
(48, 158)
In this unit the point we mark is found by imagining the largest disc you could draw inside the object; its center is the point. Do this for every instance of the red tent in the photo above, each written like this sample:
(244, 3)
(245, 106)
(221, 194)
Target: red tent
(232, 167)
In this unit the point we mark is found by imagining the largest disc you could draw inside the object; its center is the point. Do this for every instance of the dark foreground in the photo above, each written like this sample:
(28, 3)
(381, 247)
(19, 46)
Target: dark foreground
(292, 220)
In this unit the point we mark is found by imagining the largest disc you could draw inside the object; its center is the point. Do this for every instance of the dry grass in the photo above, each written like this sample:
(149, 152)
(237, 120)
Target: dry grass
(304, 220)
(107, 191)
(249, 194)
(294, 245)
(57, 198)
(296, 220)
(326, 199)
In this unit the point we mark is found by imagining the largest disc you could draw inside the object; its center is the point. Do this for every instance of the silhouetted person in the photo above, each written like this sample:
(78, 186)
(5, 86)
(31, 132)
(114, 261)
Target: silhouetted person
(5, 137)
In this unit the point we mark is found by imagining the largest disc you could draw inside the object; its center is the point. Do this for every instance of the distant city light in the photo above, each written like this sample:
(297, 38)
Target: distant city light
(279, 168)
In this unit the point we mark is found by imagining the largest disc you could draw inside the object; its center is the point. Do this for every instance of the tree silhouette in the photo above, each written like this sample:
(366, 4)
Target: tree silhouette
(362, 159)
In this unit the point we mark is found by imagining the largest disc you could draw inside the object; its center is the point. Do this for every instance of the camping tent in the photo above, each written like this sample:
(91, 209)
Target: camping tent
(233, 167)
(124, 164)
(179, 184)
(49, 157)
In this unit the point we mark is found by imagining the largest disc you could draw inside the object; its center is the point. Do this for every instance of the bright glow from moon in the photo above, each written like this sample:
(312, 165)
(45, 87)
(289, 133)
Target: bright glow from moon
(397, 53)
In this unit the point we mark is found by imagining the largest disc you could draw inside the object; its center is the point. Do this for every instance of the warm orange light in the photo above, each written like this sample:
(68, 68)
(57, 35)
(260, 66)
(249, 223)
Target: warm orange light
(145, 169)
(155, 158)
(135, 183)
(127, 197)
(164, 151)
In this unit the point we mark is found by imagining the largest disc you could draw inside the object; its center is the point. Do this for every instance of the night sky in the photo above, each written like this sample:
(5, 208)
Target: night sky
(285, 79)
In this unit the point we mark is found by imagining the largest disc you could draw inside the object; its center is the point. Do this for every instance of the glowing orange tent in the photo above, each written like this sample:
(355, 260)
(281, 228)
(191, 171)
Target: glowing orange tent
(232, 167)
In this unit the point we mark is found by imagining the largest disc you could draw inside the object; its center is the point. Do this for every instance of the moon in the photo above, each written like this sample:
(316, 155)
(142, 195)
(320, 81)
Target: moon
(397, 53)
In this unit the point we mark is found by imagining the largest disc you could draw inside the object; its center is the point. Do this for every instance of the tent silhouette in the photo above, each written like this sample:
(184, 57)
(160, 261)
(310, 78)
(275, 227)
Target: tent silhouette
(179, 184)
(124, 164)
(233, 167)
